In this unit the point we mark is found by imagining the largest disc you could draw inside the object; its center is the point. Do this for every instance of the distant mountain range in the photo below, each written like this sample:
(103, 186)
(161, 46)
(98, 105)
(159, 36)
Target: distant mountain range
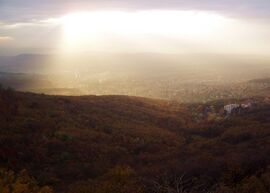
(132, 62)
(25, 63)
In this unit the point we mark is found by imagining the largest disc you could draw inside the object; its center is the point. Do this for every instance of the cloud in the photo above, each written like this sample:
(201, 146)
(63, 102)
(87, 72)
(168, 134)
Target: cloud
(32, 23)
(23, 11)
(28, 21)
(4, 39)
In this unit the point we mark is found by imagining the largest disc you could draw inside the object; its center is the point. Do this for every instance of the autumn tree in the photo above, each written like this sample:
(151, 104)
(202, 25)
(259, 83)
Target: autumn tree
(20, 183)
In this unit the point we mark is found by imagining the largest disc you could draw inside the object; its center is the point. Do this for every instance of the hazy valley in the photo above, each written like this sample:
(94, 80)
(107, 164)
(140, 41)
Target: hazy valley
(172, 77)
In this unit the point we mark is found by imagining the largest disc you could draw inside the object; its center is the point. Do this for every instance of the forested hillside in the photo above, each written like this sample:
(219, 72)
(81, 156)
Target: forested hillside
(120, 144)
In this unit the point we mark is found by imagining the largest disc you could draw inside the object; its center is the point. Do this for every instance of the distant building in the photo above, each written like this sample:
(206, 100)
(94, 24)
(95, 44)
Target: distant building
(236, 108)
(246, 105)
(229, 109)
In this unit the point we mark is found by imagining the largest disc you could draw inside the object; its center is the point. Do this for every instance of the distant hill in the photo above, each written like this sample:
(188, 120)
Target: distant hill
(260, 81)
(25, 63)
(24, 81)
(74, 144)
(237, 66)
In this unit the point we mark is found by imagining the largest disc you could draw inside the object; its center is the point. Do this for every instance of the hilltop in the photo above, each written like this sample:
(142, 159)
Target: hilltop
(83, 144)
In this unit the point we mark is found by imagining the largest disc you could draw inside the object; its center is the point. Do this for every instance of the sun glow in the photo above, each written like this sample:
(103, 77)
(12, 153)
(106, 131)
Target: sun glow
(83, 26)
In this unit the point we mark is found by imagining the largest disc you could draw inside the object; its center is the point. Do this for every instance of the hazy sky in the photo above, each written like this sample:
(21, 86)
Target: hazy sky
(184, 26)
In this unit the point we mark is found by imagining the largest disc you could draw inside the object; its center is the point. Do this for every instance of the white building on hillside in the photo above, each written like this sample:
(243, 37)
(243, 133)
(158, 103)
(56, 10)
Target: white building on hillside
(230, 108)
